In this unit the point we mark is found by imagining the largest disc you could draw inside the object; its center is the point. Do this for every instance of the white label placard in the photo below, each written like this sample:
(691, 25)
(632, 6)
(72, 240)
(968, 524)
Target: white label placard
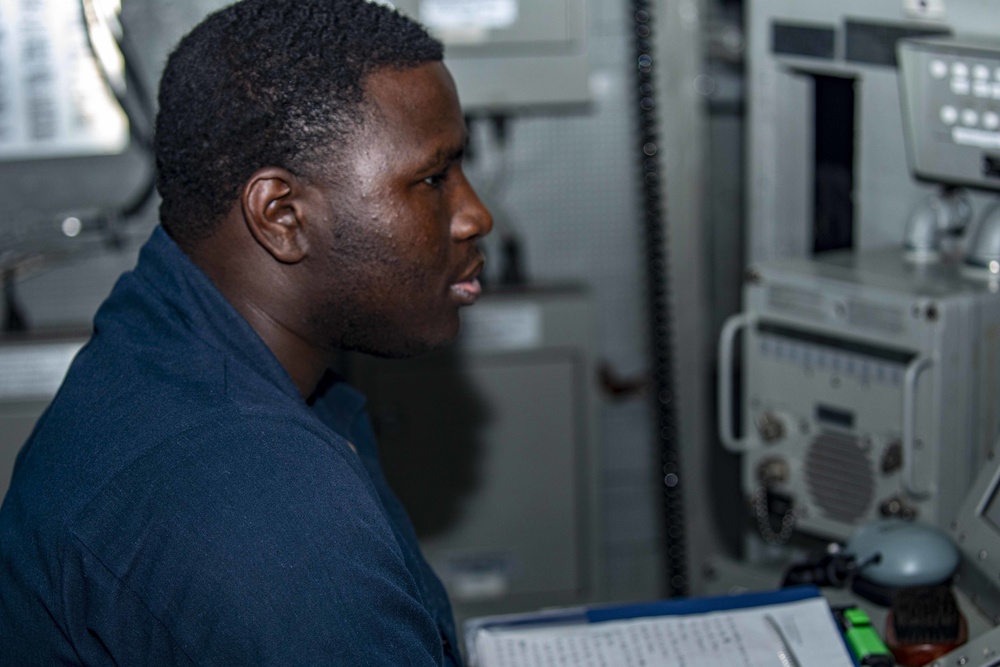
(54, 101)
(501, 327)
(979, 138)
(468, 14)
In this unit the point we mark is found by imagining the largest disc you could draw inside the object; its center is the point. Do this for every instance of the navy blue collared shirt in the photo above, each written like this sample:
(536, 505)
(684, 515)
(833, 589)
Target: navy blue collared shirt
(179, 503)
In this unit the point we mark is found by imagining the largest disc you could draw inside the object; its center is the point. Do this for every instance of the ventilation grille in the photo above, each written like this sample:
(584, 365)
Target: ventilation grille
(840, 477)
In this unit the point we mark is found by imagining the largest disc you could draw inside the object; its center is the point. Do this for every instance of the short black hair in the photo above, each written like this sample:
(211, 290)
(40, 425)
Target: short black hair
(267, 83)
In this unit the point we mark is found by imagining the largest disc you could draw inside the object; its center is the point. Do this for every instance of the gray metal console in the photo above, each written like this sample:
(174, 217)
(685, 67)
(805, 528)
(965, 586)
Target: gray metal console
(950, 89)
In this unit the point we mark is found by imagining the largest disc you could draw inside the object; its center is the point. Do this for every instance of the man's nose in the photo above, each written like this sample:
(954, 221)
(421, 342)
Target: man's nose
(471, 219)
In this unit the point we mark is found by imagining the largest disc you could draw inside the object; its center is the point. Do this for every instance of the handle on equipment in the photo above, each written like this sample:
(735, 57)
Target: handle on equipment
(727, 338)
(910, 379)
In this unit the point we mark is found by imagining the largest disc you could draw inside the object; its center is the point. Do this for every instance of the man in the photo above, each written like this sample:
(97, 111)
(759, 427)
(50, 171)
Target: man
(202, 490)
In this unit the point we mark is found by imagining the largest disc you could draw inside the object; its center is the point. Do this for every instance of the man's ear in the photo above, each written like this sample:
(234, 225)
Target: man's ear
(273, 209)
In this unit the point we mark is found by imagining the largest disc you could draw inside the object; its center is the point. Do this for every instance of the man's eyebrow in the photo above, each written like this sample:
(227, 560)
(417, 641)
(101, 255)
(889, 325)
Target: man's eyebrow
(445, 155)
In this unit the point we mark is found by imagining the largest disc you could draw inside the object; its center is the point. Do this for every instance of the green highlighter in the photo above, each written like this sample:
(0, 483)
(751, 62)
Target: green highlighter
(865, 643)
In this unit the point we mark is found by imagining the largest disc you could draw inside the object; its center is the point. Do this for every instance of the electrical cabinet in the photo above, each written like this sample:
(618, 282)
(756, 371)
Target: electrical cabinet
(871, 388)
(492, 447)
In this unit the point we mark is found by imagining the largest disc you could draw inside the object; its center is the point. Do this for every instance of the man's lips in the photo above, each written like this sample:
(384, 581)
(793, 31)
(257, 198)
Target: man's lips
(467, 289)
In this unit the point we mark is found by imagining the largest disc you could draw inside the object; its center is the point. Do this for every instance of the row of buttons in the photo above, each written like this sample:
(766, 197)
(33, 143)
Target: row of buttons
(980, 84)
(821, 359)
(978, 88)
(970, 117)
(939, 70)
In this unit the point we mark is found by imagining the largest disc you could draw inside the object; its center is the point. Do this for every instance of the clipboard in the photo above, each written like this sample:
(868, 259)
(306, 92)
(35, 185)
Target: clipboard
(770, 616)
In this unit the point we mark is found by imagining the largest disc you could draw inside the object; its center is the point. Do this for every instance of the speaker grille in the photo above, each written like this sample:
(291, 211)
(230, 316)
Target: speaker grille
(840, 477)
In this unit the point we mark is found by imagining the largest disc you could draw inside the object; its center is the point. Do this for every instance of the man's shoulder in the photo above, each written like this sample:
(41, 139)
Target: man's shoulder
(264, 472)
(256, 515)
(250, 525)
(180, 453)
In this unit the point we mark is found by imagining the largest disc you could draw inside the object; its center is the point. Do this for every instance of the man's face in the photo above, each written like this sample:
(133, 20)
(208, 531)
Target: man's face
(397, 253)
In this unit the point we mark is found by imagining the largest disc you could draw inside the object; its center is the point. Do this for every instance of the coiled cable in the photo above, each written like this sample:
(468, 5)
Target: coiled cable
(657, 293)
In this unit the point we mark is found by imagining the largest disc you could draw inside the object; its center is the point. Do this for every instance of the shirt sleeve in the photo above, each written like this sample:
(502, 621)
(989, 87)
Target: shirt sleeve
(251, 543)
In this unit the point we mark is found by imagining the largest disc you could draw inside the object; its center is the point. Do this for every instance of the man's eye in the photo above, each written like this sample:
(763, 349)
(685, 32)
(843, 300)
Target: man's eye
(436, 180)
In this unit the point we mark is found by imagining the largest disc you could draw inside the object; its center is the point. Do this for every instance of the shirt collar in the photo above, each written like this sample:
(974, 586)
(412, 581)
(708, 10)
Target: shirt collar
(186, 290)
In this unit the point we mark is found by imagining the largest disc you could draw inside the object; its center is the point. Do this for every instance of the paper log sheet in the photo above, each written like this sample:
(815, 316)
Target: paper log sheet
(754, 637)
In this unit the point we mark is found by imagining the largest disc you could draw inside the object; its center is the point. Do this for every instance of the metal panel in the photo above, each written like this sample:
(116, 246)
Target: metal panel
(539, 58)
(510, 423)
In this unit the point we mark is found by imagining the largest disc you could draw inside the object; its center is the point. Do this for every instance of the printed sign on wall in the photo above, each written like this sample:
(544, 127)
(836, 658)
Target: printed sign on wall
(468, 14)
(54, 100)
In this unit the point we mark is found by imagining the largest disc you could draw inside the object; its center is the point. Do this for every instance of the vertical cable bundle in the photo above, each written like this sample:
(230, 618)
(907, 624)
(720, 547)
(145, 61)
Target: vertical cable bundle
(657, 286)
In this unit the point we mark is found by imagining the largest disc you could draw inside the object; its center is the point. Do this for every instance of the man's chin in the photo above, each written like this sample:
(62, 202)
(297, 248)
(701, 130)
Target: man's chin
(405, 348)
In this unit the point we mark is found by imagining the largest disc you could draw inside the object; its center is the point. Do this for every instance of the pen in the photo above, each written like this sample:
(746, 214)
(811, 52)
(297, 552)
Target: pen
(785, 654)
